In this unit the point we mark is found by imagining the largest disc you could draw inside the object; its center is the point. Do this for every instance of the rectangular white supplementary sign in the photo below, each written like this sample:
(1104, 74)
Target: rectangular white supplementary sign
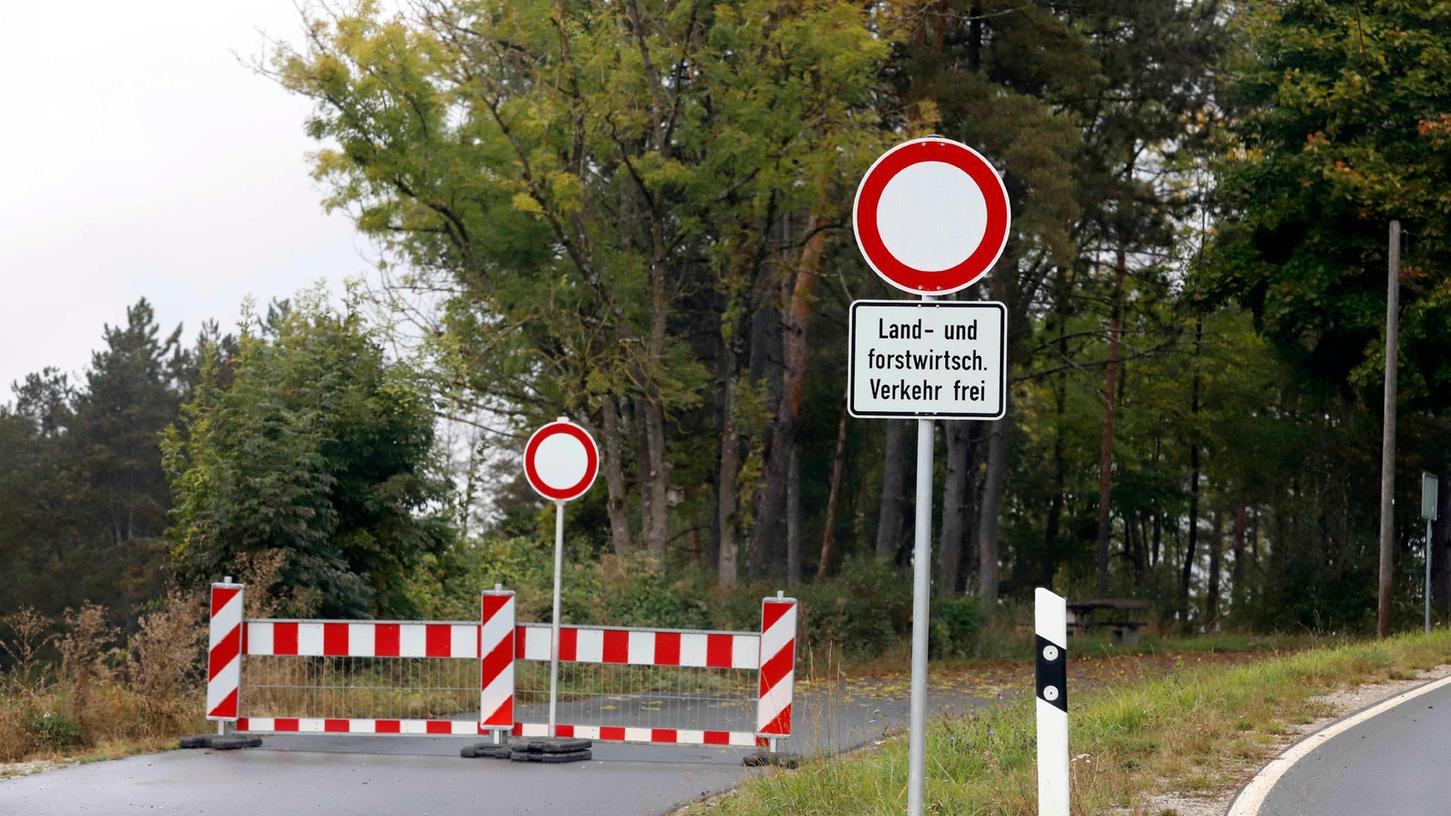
(930, 359)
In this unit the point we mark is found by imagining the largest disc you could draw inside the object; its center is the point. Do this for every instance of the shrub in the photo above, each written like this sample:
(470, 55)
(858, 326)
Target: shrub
(53, 731)
(956, 622)
(865, 610)
(636, 593)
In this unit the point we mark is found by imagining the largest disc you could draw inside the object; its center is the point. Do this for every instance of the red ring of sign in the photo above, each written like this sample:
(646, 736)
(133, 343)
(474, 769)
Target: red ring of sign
(591, 469)
(869, 194)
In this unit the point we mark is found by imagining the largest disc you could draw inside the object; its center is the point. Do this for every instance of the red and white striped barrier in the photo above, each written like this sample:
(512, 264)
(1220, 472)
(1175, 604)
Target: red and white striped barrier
(658, 736)
(320, 725)
(496, 661)
(362, 639)
(224, 652)
(778, 667)
(495, 642)
(642, 647)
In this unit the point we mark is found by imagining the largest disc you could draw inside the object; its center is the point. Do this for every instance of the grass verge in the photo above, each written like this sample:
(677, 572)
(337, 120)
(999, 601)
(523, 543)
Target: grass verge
(1183, 731)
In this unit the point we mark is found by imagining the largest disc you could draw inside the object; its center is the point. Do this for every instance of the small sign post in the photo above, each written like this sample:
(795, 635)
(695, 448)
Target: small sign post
(1430, 486)
(931, 217)
(560, 462)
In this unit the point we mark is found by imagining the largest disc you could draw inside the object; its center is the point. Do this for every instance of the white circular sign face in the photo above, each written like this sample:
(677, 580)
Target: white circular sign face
(932, 216)
(561, 461)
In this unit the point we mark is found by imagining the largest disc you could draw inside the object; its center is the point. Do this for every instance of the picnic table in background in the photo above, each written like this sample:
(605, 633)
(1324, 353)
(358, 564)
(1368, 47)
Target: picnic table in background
(1123, 617)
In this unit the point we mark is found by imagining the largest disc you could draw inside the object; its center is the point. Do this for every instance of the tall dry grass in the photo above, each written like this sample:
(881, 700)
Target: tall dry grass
(76, 686)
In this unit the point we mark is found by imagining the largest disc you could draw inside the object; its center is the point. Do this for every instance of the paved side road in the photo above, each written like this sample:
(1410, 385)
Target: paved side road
(1395, 764)
(342, 775)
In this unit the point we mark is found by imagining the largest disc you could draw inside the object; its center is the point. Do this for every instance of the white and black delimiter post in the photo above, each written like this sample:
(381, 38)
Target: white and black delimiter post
(1051, 626)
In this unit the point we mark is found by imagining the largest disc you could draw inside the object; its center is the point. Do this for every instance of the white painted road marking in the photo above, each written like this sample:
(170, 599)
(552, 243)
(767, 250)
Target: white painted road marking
(1252, 798)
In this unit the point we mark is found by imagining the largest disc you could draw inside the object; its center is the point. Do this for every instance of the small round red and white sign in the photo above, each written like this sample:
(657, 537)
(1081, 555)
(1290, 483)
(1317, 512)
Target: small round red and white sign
(931, 216)
(561, 461)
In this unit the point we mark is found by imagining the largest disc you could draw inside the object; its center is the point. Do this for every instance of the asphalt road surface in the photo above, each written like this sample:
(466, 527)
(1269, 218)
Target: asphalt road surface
(343, 775)
(1395, 764)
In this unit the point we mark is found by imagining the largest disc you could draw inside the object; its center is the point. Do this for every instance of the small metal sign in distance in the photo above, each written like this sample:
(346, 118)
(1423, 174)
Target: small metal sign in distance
(561, 461)
(931, 216)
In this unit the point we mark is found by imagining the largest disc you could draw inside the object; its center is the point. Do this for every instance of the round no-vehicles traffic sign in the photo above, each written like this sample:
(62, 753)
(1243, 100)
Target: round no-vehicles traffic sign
(561, 461)
(931, 216)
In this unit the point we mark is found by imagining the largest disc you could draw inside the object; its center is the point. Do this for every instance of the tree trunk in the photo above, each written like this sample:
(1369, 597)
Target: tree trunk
(657, 511)
(992, 502)
(728, 499)
(793, 520)
(833, 497)
(1236, 575)
(772, 499)
(1188, 571)
(954, 508)
(1211, 595)
(894, 500)
(617, 505)
(1110, 392)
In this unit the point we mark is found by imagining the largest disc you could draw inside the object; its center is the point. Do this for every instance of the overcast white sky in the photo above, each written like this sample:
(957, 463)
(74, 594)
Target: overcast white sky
(138, 157)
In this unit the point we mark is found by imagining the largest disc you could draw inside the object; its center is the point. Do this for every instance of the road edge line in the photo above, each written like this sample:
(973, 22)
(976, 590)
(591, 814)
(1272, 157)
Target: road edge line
(1252, 796)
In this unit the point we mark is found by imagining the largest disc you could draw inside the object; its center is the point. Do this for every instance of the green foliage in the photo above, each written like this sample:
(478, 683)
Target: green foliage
(83, 495)
(1342, 127)
(956, 621)
(53, 731)
(862, 612)
(310, 442)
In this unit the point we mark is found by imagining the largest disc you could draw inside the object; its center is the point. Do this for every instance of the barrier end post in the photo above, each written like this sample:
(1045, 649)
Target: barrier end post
(225, 634)
(496, 661)
(777, 669)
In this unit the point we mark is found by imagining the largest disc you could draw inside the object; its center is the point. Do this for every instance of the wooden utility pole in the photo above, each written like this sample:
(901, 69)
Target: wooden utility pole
(1388, 435)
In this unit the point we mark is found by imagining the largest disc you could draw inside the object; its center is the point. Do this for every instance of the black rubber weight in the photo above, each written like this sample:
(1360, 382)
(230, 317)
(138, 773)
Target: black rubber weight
(194, 742)
(552, 759)
(485, 750)
(555, 745)
(232, 742)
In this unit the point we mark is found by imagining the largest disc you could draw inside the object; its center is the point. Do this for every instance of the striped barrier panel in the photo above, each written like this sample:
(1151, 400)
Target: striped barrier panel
(778, 667)
(224, 651)
(496, 661)
(496, 643)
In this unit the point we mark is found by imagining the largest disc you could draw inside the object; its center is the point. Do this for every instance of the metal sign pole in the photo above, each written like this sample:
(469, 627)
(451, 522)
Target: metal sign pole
(921, 587)
(1430, 492)
(1428, 576)
(921, 608)
(554, 620)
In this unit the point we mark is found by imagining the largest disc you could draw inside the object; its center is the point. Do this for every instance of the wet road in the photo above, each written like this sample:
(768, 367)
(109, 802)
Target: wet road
(343, 775)
(1398, 762)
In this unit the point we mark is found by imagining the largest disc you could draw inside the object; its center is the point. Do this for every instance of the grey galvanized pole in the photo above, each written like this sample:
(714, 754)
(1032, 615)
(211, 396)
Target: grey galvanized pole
(554, 620)
(1388, 435)
(921, 589)
(1428, 576)
(1430, 491)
